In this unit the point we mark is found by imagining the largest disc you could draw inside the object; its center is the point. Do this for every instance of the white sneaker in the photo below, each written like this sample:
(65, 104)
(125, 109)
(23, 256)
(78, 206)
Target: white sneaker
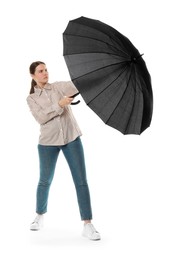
(37, 223)
(90, 232)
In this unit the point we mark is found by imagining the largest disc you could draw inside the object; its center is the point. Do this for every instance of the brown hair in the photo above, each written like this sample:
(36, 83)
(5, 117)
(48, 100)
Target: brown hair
(32, 71)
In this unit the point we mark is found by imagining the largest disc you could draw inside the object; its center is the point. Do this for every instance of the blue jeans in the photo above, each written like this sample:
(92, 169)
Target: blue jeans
(74, 155)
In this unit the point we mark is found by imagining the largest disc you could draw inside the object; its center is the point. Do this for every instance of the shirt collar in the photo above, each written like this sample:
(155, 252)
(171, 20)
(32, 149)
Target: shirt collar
(38, 90)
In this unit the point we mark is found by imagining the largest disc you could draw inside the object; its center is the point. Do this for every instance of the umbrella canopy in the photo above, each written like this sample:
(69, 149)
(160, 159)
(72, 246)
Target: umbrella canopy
(110, 74)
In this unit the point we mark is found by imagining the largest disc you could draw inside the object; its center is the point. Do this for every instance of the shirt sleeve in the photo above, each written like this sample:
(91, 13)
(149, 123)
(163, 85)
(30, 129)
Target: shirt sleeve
(67, 88)
(43, 115)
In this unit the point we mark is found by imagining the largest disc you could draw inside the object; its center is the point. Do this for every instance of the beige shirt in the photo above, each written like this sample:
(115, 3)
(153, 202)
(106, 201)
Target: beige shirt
(57, 125)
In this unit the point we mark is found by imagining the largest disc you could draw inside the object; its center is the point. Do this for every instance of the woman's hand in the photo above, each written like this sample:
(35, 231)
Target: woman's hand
(65, 101)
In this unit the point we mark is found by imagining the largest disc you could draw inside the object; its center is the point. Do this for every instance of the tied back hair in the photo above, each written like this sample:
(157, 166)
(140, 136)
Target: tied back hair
(32, 69)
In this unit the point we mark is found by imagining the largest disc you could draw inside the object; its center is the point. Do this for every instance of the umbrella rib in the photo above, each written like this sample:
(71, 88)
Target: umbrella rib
(93, 53)
(107, 66)
(98, 41)
(108, 87)
(132, 109)
(120, 100)
(134, 101)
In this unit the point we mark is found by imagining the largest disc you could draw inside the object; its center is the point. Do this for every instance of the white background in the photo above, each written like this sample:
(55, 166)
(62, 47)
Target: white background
(130, 177)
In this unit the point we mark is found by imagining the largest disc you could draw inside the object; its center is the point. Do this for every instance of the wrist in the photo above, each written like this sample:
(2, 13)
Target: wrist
(60, 104)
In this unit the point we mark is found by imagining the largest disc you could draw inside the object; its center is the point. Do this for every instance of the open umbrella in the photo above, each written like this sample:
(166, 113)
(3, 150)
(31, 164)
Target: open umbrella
(110, 74)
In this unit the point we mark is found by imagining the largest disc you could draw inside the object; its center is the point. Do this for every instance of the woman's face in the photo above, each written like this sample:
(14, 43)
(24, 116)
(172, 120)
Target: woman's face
(41, 75)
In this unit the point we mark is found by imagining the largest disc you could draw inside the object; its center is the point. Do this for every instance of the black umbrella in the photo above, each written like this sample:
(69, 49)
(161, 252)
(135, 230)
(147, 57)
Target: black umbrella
(110, 74)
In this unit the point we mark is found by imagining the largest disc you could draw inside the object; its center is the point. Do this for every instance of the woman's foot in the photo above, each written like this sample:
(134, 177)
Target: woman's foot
(90, 232)
(37, 224)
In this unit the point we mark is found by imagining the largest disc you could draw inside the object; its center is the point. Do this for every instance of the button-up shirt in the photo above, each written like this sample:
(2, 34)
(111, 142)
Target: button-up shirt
(57, 125)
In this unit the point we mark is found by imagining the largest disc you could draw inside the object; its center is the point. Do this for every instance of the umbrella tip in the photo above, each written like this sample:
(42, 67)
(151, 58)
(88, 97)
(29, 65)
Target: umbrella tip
(134, 59)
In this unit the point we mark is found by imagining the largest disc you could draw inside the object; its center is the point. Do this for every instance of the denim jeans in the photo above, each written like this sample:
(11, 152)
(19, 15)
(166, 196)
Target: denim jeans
(74, 155)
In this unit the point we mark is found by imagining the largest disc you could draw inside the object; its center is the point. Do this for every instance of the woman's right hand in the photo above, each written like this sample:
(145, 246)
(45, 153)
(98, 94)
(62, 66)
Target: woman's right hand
(65, 101)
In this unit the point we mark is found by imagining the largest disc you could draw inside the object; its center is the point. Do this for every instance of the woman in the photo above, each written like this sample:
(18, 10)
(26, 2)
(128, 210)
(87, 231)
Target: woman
(49, 104)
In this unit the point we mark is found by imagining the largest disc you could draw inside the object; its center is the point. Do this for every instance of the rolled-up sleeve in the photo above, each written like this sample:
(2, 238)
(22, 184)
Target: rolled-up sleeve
(43, 115)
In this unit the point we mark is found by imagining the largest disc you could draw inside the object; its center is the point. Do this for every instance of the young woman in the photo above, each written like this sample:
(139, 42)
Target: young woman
(59, 131)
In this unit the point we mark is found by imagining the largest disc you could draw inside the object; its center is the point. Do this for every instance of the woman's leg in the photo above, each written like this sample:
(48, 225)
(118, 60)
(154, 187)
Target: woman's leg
(74, 155)
(48, 157)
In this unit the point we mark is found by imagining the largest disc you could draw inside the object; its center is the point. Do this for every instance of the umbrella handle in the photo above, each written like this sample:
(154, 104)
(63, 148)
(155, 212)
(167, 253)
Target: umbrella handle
(77, 102)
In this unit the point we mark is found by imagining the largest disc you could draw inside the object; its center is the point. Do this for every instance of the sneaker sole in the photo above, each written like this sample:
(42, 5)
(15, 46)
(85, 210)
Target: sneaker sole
(96, 239)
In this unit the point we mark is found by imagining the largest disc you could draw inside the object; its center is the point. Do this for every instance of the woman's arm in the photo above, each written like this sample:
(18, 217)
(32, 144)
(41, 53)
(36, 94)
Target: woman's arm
(67, 88)
(43, 115)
